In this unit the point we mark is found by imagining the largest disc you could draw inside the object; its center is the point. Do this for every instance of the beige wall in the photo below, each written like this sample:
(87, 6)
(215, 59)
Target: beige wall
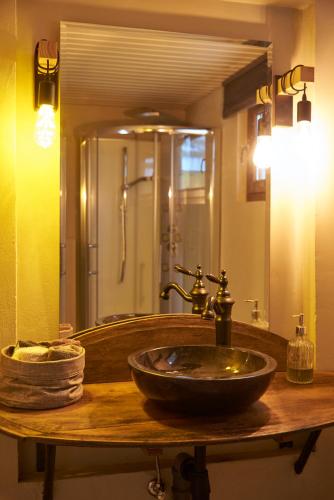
(37, 196)
(7, 172)
(323, 119)
(30, 197)
(292, 274)
(243, 231)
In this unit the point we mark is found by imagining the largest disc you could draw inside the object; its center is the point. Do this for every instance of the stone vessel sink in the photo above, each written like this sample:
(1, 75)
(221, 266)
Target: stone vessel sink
(202, 378)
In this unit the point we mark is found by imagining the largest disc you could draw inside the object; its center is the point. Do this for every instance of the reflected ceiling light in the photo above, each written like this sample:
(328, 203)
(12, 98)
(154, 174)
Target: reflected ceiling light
(192, 131)
(46, 65)
(122, 131)
(262, 156)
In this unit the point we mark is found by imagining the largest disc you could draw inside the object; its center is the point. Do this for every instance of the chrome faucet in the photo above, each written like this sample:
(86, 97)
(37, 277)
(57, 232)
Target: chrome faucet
(197, 295)
(220, 307)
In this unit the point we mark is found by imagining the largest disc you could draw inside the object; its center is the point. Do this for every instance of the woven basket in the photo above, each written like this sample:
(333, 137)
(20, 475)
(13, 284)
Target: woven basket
(40, 385)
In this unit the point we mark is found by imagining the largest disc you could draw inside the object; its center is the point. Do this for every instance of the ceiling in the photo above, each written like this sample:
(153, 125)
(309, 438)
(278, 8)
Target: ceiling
(126, 67)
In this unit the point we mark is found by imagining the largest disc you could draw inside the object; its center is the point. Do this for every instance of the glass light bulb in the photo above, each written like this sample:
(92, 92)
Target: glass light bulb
(303, 138)
(262, 155)
(45, 126)
(303, 131)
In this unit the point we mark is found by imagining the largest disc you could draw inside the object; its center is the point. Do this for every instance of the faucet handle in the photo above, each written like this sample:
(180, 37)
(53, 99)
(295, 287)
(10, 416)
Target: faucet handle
(222, 281)
(213, 278)
(197, 274)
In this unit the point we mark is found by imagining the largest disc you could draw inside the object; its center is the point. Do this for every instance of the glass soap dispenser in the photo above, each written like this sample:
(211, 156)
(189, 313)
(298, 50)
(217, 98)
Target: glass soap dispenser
(256, 315)
(300, 356)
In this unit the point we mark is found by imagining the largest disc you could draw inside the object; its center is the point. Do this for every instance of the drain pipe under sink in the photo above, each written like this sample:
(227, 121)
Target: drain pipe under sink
(180, 485)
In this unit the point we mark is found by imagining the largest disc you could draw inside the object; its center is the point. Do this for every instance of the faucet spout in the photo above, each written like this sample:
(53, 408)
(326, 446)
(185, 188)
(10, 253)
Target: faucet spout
(208, 311)
(175, 286)
(197, 294)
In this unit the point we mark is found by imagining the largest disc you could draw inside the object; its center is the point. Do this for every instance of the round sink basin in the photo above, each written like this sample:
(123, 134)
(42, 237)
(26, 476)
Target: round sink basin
(202, 378)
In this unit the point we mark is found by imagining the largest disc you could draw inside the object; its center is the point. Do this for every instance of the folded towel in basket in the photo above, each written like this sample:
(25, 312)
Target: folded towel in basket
(51, 382)
(64, 351)
(28, 350)
(31, 353)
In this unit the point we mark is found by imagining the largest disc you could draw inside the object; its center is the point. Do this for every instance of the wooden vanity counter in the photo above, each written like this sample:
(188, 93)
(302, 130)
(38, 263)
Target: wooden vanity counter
(113, 413)
(116, 414)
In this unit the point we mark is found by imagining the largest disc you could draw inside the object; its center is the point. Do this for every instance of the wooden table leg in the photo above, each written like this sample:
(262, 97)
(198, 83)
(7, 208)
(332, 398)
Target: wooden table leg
(306, 451)
(40, 457)
(50, 460)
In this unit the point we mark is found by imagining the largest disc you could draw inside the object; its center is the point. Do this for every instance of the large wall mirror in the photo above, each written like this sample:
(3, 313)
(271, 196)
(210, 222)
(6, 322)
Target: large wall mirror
(157, 137)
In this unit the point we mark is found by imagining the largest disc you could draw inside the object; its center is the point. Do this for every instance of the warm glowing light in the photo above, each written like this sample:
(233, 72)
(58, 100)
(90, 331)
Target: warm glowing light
(122, 131)
(304, 140)
(262, 156)
(192, 131)
(45, 126)
(170, 193)
(286, 172)
(83, 196)
(308, 154)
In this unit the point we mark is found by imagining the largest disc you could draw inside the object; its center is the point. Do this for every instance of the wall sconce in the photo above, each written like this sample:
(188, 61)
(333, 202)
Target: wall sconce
(292, 83)
(46, 65)
(264, 94)
(280, 96)
(262, 155)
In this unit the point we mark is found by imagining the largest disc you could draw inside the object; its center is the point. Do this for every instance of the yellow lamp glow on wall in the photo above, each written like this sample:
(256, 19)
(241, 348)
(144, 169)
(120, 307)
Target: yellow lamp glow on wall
(46, 91)
(45, 125)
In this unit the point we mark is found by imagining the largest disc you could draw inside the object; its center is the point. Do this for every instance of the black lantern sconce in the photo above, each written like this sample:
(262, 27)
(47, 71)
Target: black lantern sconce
(46, 66)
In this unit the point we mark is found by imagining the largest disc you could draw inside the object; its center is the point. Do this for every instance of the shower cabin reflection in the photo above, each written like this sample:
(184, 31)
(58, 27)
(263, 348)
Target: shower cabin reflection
(146, 205)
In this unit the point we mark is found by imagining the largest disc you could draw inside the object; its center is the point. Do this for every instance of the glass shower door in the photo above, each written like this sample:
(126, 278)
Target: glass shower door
(187, 228)
(117, 235)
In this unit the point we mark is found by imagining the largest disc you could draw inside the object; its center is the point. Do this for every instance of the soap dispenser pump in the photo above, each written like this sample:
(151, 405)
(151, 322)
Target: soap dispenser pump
(256, 314)
(300, 355)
